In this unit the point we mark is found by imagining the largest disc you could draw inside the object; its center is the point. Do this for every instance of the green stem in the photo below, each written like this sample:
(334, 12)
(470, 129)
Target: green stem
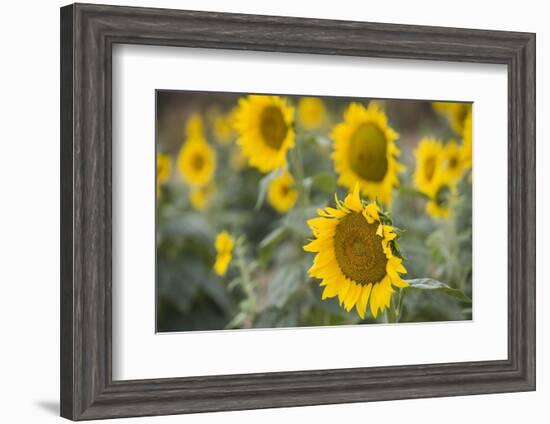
(393, 313)
(246, 279)
(400, 297)
(298, 165)
(390, 315)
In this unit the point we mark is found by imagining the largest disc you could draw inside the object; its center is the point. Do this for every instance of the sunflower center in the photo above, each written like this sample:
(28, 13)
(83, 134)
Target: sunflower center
(273, 127)
(453, 162)
(367, 152)
(358, 249)
(429, 168)
(197, 162)
(285, 189)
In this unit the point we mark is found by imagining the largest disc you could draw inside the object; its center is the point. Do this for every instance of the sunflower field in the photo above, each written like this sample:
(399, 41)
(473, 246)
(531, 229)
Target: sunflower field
(286, 211)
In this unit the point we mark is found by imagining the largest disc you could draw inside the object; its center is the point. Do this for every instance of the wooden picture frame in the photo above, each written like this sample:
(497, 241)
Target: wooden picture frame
(88, 33)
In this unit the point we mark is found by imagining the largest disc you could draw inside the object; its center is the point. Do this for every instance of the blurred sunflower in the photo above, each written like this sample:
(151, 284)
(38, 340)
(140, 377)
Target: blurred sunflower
(357, 256)
(194, 127)
(197, 161)
(452, 160)
(224, 252)
(311, 112)
(265, 126)
(365, 152)
(429, 163)
(164, 169)
(455, 112)
(201, 196)
(466, 154)
(442, 197)
(281, 193)
(223, 127)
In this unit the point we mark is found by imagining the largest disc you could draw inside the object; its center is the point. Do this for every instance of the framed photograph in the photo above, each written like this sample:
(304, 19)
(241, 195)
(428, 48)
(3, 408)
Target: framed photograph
(263, 212)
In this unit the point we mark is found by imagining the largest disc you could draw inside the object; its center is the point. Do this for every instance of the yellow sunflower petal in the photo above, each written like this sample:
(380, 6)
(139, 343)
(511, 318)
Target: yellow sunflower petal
(330, 290)
(344, 288)
(371, 213)
(374, 300)
(318, 245)
(400, 283)
(363, 300)
(352, 295)
(384, 293)
(353, 201)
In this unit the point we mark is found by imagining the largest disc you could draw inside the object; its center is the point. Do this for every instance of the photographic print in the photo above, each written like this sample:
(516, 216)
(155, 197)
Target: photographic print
(277, 210)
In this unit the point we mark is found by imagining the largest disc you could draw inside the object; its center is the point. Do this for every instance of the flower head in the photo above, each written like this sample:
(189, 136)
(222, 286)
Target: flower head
(164, 169)
(357, 257)
(453, 164)
(455, 112)
(281, 193)
(197, 162)
(194, 127)
(223, 127)
(438, 169)
(224, 249)
(311, 112)
(429, 164)
(443, 196)
(365, 152)
(201, 196)
(265, 127)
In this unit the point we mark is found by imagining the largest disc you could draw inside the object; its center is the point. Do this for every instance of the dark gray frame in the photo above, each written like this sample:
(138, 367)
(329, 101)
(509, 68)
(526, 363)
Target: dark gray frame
(88, 33)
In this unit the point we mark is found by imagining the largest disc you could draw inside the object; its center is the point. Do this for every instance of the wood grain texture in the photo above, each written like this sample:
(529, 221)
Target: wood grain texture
(88, 33)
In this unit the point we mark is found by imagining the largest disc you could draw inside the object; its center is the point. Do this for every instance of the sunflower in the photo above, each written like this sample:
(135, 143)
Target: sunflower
(265, 126)
(197, 161)
(281, 193)
(357, 256)
(442, 197)
(455, 112)
(224, 249)
(194, 127)
(223, 127)
(164, 169)
(452, 160)
(429, 164)
(365, 152)
(466, 154)
(201, 196)
(311, 112)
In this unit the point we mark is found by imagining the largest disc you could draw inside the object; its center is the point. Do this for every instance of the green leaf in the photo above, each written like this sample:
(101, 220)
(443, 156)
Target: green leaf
(410, 191)
(237, 321)
(273, 238)
(284, 284)
(431, 284)
(263, 186)
(268, 244)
